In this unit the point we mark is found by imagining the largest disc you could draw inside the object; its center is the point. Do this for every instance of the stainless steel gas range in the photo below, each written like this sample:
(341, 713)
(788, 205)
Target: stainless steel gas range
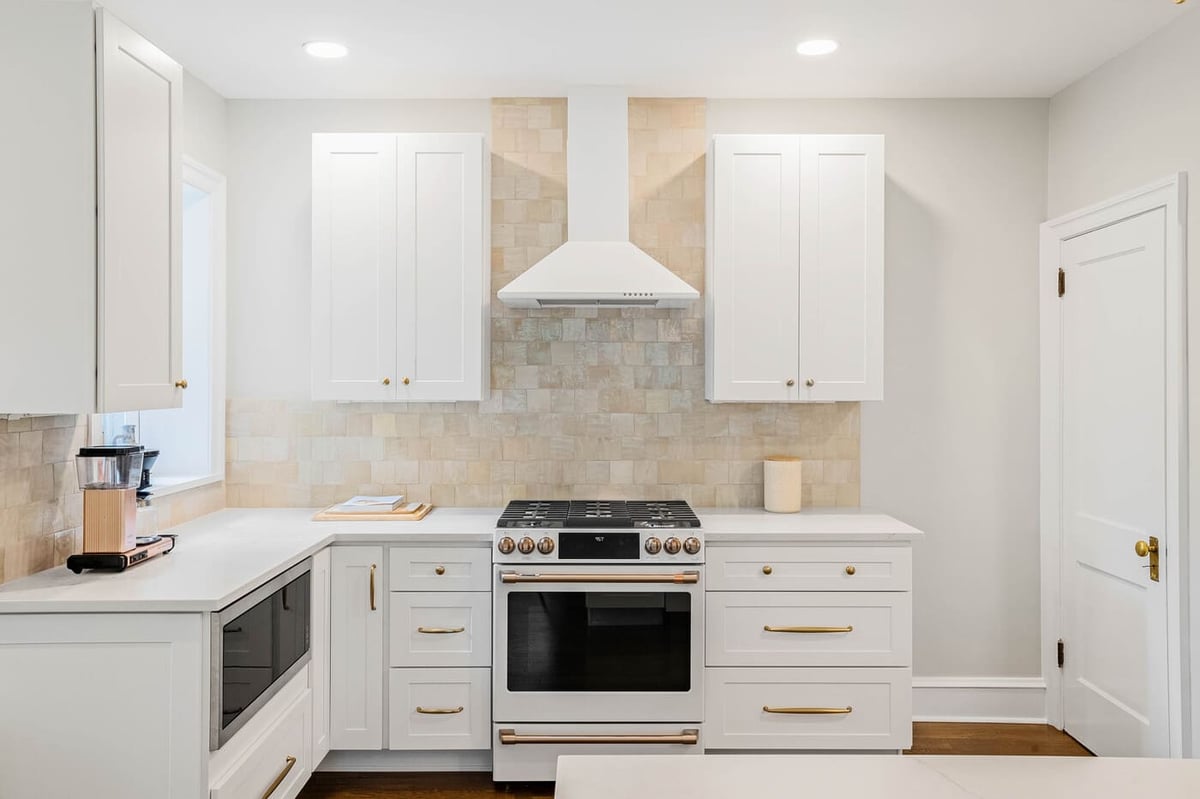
(598, 632)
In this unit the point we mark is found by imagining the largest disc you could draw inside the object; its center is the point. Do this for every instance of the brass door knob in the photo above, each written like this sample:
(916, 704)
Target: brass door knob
(850, 570)
(791, 382)
(1143, 549)
(405, 381)
(767, 570)
(387, 381)
(810, 382)
(181, 384)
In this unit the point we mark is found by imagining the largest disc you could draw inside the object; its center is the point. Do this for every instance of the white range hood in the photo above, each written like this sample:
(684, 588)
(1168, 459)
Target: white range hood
(597, 265)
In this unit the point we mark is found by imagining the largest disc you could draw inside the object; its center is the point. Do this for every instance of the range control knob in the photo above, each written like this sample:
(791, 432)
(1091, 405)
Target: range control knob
(506, 545)
(546, 545)
(653, 545)
(525, 545)
(672, 545)
(691, 545)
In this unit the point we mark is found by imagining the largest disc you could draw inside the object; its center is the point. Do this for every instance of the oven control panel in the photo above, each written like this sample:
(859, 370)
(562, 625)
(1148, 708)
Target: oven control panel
(598, 546)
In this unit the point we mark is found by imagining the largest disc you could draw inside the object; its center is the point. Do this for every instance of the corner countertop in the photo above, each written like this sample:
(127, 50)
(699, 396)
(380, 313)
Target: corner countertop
(223, 556)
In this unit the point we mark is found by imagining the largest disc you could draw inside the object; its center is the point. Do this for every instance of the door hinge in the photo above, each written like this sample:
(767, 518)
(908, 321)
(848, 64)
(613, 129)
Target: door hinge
(1061, 649)
(1062, 282)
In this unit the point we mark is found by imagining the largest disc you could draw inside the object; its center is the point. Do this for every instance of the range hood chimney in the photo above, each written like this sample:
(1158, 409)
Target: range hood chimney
(598, 265)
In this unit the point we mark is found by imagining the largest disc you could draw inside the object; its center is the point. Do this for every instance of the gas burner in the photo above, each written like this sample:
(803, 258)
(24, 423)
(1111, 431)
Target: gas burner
(598, 514)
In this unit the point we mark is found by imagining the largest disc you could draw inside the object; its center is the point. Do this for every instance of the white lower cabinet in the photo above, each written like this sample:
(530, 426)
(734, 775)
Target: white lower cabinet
(439, 708)
(356, 603)
(807, 708)
(443, 628)
(278, 763)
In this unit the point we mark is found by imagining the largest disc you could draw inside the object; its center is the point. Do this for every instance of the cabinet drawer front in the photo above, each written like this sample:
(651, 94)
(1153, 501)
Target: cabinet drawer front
(808, 708)
(441, 628)
(440, 569)
(803, 568)
(808, 628)
(440, 708)
(284, 750)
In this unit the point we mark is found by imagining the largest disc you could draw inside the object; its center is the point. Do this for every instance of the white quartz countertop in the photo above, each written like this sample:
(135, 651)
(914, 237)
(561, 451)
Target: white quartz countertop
(872, 777)
(221, 557)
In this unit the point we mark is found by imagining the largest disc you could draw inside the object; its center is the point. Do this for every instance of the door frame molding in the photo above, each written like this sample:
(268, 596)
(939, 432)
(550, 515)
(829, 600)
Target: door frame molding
(1169, 193)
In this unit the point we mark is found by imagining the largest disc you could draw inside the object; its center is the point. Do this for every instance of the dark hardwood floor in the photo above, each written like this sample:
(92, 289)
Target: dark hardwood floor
(928, 739)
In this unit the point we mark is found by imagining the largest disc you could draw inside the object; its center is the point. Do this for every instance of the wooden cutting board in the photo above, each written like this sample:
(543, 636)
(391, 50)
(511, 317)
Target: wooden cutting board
(398, 515)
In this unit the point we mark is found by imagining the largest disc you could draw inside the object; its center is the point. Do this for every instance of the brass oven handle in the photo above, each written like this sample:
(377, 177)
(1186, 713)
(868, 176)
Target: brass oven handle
(809, 711)
(439, 711)
(372, 586)
(291, 761)
(686, 578)
(441, 630)
(686, 738)
(849, 628)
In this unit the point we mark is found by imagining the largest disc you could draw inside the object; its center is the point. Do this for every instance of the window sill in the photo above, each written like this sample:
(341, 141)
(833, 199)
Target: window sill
(168, 486)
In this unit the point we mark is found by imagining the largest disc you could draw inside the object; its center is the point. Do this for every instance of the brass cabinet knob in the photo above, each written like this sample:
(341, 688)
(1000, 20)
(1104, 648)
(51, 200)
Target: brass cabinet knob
(850, 570)
(181, 384)
(767, 570)
(387, 381)
(440, 570)
(791, 382)
(810, 382)
(405, 381)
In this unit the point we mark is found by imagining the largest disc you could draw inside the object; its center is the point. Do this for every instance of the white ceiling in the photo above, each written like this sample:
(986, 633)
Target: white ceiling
(710, 48)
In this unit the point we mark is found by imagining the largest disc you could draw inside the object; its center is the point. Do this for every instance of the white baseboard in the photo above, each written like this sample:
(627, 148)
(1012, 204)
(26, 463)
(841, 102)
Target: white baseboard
(1010, 700)
(470, 760)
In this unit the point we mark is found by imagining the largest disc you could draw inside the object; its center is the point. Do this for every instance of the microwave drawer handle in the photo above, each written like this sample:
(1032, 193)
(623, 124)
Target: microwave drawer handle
(291, 761)
(686, 578)
(686, 738)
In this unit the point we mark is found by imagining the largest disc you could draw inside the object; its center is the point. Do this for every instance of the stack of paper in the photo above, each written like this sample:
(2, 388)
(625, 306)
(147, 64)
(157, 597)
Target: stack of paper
(370, 504)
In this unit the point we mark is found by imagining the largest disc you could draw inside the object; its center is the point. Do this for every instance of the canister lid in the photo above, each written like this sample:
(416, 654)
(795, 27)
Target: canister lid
(110, 450)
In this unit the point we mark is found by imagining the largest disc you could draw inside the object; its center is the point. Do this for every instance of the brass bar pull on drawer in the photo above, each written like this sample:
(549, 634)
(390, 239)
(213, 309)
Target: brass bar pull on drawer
(686, 738)
(372, 586)
(849, 628)
(686, 578)
(809, 711)
(291, 761)
(439, 711)
(441, 630)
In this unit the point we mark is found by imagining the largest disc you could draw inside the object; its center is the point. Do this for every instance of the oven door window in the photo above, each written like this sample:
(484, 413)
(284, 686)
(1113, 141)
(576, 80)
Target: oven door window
(261, 644)
(599, 641)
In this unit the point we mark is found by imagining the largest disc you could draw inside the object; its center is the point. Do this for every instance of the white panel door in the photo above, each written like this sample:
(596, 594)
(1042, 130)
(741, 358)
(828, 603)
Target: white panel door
(1114, 487)
(755, 268)
(841, 267)
(442, 273)
(356, 648)
(319, 644)
(140, 185)
(354, 267)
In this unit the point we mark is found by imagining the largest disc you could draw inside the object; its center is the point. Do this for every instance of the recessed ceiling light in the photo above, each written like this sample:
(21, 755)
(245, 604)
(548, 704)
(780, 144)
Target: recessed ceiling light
(325, 49)
(817, 47)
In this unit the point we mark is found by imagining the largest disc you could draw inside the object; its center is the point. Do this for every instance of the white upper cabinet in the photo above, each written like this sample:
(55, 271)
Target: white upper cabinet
(399, 274)
(354, 267)
(140, 187)
(796, 271)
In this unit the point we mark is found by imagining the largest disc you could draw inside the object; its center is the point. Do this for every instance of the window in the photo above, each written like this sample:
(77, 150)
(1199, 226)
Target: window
(191, 439)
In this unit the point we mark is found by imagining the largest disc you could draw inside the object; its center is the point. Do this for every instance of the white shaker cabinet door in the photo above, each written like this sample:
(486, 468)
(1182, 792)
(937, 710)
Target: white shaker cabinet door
(754, 272)
(841, 267)
(139, 293)
(442, 275)
(354, 267)
(357, 596)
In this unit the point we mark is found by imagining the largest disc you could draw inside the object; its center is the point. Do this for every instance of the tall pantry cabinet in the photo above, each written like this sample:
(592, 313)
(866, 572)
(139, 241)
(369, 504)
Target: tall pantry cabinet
(795, 274)
(89, 214)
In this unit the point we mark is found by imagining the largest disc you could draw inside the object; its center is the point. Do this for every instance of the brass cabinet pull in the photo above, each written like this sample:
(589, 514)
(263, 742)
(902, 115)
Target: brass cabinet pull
(809, 711)
(767, 570)
(686, 738)
(405, 381)
(181, 384)
(849, 628)
(291, 761)
(441, 630)
(791, 382)
(686, 578)
(439, 711)
(387, 381)
(372, 586)
(810, 382)
(850, 570)
(439, 571)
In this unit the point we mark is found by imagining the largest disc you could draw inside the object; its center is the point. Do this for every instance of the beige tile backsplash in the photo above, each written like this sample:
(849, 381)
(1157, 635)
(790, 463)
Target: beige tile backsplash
(593, 403)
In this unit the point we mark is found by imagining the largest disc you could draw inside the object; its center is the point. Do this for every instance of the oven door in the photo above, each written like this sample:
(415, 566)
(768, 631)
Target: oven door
(598, 643)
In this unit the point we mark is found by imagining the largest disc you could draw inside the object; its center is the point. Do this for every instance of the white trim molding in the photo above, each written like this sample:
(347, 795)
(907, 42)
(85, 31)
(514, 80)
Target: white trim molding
(1009, 700)
(1169, 193)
